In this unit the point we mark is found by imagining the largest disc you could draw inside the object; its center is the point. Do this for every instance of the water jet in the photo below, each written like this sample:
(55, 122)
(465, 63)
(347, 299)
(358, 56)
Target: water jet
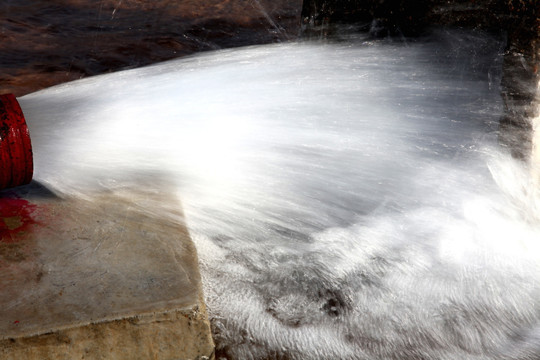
(349, 199)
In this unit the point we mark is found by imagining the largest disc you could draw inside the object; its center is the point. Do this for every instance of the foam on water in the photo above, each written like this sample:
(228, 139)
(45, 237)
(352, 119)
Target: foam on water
(348, 199)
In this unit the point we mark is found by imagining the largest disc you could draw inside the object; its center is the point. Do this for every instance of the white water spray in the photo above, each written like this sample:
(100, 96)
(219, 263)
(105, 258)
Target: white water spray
(348, 199)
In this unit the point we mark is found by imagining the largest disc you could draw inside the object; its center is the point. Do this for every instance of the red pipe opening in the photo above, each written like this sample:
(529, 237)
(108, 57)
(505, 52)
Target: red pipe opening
(16, 163)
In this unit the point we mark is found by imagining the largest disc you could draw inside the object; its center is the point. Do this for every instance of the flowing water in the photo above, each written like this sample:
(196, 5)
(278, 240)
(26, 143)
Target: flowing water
(348, 199)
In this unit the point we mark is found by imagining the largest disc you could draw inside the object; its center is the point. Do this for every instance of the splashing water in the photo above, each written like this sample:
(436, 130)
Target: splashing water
(348, 199)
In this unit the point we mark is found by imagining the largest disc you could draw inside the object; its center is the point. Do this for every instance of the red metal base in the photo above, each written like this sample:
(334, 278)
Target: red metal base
(16, 163)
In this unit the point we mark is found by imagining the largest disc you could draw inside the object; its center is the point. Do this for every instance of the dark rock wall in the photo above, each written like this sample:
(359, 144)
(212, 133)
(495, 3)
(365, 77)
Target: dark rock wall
(518, 19)
(412, 16)
(393, 15)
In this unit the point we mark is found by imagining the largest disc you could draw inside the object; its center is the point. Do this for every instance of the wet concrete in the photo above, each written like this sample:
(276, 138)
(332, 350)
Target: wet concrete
(99, 277)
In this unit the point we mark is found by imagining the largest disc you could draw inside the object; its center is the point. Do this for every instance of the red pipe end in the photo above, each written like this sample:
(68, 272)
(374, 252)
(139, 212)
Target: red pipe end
(16, 163)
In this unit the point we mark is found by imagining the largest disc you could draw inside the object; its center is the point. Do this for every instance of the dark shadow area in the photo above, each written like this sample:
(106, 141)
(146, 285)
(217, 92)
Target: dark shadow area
(379, 18)
(34, 189)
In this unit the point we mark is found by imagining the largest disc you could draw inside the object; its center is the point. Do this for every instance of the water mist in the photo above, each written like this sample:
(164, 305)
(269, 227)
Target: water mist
(348, 199)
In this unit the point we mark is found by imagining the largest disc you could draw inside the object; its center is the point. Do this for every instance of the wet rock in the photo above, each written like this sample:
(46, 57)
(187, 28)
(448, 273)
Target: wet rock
(44, 43)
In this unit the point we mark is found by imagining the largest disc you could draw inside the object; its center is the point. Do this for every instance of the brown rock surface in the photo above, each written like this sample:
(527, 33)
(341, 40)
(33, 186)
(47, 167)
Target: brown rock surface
(45, 42)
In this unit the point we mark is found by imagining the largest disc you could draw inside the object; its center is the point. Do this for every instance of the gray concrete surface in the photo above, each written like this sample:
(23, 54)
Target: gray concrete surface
(99, 277)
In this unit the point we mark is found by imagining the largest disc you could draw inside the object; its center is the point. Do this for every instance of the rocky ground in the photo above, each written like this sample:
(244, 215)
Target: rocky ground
(47, 42)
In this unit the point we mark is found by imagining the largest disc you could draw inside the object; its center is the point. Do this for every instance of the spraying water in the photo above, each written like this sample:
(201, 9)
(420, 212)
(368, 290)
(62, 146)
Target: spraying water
(348, 199)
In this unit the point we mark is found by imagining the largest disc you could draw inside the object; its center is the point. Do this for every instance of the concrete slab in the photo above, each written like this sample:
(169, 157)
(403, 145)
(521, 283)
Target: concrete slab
(99, 278)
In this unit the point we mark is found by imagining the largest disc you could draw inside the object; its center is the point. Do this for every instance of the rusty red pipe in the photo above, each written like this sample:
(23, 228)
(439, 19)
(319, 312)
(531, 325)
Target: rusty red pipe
(16, 162)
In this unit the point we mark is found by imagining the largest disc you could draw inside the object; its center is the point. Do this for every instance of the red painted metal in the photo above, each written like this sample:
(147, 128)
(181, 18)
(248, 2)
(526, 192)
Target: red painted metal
(16, 162)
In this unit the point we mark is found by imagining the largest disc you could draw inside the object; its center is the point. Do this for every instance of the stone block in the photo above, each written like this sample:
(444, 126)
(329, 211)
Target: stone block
(98, 277)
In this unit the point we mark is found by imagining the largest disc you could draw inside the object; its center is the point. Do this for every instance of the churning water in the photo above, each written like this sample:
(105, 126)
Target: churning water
(348, 199)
